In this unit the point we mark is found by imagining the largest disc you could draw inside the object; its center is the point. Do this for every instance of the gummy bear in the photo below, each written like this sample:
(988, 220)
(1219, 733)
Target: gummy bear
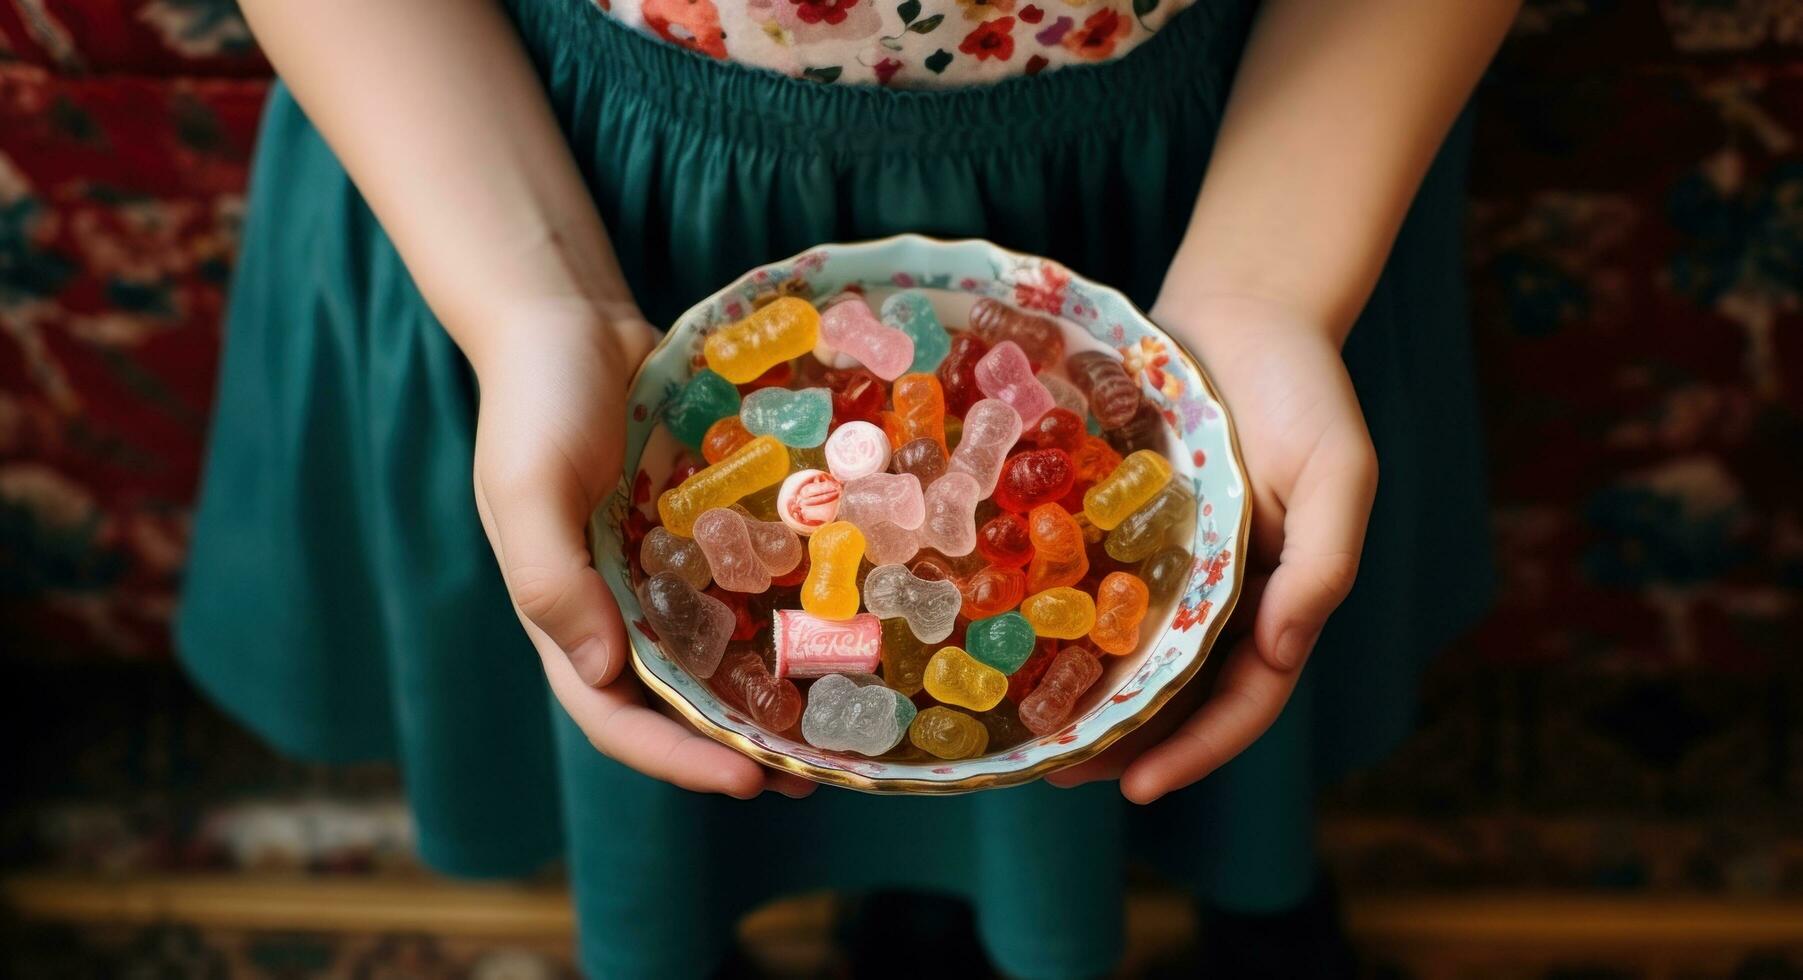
(991, 590)
(704, 400)
(1062, 613)
(1003, 540)
(912, 313)
(958, 373)
(1166, 573)
(1144, 530)
(1005, 374)
(760, 463)
(856, 449)
(662, 551)
(996, 322)
(1139, 477)
(724, 438)
(773, 702)
(831, 588)
(930, 608)
(788, 327)
(948, 734)
(796, 418)
(1037, 476)
(949, 525)
(925, 458)
(1121, 602)
(904, 657)
(692, 628)
(1003, 642)
(954, 677)
(844, 716)
(990, 430)
(850, 327)
(1072, 672)
(1059, 556)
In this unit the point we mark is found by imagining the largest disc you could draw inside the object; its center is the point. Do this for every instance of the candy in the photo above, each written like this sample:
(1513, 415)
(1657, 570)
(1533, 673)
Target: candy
(935, 565)
(778, 376)
(1113, 396)
(856, 449)
(692, 628)
(1145, 430)
(1141, 475)
(723, 538)
(760, 505)
(1065, 395)
(925, 458)
(848, 326)
(1059, 557)
(1166, 573)
(887, 543)
(1002, 642)
(996, 322)
(904, 657)
(1059, 428)
(1037, 476)
(810, 646)
(780, 330)
(1003, 724)
(990, 430)
(776, 546)
(858, 396)
(724, 438)
(991, 590)
(1003, 540)
(1022, 682)
(844, 716)
(892, 497)
(662, 551)
(831, 588)
(704, 400)
(1072, 672)
(1144, 530)
(760, 463)
(930, 608)
(1093, 460)
(948, 734)
(795, 418)
(810, 458)
(1005, 374)
(920, 407)
(954, 677)
(773, 702)
(1121, 602)
(747, 622)
(807, 500)
(912, 313)
(1062, 613)
(958, 373)
(950, 525)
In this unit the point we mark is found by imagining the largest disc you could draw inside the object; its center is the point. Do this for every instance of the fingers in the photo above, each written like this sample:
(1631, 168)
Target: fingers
(1244, 703)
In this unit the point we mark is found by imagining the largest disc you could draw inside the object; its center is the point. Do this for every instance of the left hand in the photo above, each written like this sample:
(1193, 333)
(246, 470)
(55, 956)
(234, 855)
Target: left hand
(1314, 475)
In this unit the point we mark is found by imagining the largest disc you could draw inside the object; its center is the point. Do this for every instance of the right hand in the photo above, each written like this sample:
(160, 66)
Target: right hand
(550, 433)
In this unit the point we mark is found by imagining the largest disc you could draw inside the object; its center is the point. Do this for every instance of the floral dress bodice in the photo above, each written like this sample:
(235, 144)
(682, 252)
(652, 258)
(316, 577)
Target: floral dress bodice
(901, 43)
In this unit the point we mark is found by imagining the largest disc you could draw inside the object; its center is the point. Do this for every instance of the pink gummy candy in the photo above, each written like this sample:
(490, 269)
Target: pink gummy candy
(808, 646)
(849, 327)
(856, 449)
(990, 429)
(1005, 373)
(893, 497)
(888, 543)
(950, 526)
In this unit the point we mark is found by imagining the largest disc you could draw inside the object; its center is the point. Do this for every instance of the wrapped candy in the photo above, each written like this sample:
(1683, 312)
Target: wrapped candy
(662, 551)
(948, 733)
(844, 716)
(1166, 573)
(1073, 671)
(1002, 642)
(1034, 477)
(856, 449)
(1059, 554)
(912, 313)
(1140, 476)
(930, 608)
(849, 327)
(810, 646)
(773, 702)
(949, 525)
(1003, 540)
(1113, 396)
(954, 677)
(724, 438)
(807, 500)
(1039, 338)
(920, 407)
(1144, 530)
(991, 428)
(704, 400)
(925, 458)
(760, 463)
(892, 497)
(796, 418)
(692, 628)
(991, 590)
(744, 553)
(958, 374)
(1121, 602)
(904, 657)
(1063, 613)
(831, 588)
(786, 328)
(1005, 374)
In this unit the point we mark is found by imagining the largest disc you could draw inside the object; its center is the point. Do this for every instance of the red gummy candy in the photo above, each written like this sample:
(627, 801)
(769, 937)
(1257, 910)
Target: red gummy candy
(1059, 428)
(857, 395)
(1022, 682)
(993, 590)
(777, 377)
(1003, 540)
(1037, 476)
(747, 622)
(1093, 460)
(958, 373)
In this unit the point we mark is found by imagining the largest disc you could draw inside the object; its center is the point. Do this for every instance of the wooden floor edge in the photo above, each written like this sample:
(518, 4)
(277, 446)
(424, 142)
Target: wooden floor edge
(541, 912)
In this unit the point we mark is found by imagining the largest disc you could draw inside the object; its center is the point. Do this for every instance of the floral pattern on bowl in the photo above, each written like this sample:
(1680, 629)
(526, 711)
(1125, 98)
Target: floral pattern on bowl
(1170, 378)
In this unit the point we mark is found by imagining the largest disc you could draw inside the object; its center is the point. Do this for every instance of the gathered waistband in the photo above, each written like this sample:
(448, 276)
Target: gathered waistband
(587, 57)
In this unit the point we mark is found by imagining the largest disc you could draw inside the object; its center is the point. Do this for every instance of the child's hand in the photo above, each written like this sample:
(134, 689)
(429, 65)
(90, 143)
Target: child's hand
(1314, 474)
(549, 439)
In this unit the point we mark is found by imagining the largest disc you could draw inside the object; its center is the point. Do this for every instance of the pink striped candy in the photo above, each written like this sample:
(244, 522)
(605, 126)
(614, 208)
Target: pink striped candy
(808, 646)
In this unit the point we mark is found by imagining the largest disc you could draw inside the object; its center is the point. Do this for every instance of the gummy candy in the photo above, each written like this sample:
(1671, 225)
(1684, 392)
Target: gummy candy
(912, 313)
(1037, 476)
(958, 374)
(842, 715)
(812, 646)
(1003, 724)
(1145, 430)
(1003, 540)
(831, 588)
(1022, 682)
(1003, 642)
(796, 418)
(1166, 573)
(744, 553)
(892, 497)
(807, 500)
(1121, 602)
(786, 328)
(1144, 530)
(1093, 460)
(1113, 396)
(856, 449)
(990, 430)
(954, 677)
(1065, 395)
(662, 551)
(950, 525)
(760, 463)
(760, 505)
(930, 608)
(1062, 613)
(858, 396)
(849, 326)
(1140, 476)
(948, 734)
(1059, 428)
(996, 322)
(888, 543)
(704, 400)
(1005, 374)
(925, 458)
(773, 702)
(693, 628)
(935, 565)
(920, 407)
(1059, 557)
(724, 438)
(746, 621)
(904, 657)
(777, 377)
(991, 590)
(1072, 672)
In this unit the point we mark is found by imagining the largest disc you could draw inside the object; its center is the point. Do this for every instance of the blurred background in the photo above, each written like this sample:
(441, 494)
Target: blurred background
(1607, 780)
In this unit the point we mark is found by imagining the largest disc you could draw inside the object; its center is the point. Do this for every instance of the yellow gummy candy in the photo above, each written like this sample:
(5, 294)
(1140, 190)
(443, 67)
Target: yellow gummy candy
(1063, 613)
(831, 588)
(948, 734)
(955, 677)
(1136, 480)
(739, 352)
(760, 463)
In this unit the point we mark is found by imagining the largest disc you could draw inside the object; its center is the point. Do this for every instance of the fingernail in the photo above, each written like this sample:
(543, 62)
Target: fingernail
(1292, 648)
(590, 660)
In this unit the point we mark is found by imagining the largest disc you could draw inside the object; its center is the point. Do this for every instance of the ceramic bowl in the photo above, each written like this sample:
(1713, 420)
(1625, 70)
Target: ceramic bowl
(1203, 452)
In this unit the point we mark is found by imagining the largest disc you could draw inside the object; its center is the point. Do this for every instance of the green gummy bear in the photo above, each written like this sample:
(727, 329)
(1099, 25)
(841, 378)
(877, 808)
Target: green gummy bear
(912, 313)
(706, 399)
(1003, 642)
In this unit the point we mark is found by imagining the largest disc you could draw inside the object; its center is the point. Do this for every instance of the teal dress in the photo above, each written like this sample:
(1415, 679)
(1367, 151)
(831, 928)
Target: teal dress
(342, 601)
